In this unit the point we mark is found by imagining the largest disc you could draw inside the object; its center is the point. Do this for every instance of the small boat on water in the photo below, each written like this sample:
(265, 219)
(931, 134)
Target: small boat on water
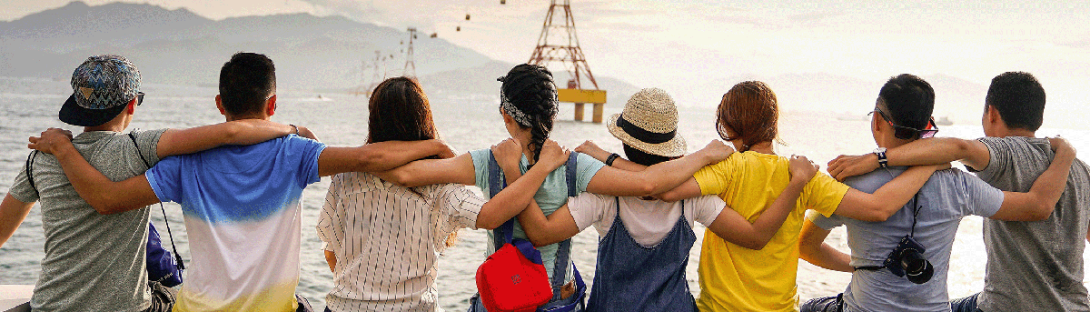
(944, 121)
(852, 117)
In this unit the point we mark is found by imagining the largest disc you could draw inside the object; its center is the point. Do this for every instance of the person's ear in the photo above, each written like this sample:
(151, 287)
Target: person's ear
(993, 115)
(131, 109)
(219, 105)
(270, 105)
(506, 118)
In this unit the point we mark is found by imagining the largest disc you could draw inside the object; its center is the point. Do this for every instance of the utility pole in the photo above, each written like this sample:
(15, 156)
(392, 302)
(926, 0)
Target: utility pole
(409, 63)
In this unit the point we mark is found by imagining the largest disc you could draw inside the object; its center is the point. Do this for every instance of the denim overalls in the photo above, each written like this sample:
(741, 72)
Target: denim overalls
(631, 277)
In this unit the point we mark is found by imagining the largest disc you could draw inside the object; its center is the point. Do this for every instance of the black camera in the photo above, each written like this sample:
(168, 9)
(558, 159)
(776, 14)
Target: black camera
(908, 260)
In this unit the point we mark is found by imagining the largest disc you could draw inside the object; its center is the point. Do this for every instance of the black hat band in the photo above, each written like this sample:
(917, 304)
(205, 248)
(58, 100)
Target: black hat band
(644, 135)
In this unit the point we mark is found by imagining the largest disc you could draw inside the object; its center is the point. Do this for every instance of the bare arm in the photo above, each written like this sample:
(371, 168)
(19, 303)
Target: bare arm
(331, 259)
(104, 195)
(433, 171)
(933, 151)
(520, 193)
(659, 178)
(12, 214)
(813, 249)
(1045, 192)
(686, 190)
(732, 227)
(380, 156)
(602, 155)
(542, 230)
(888, 199)
(239, 132)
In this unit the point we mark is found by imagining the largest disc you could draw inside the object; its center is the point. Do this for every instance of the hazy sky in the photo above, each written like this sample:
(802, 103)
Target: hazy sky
(698, 48)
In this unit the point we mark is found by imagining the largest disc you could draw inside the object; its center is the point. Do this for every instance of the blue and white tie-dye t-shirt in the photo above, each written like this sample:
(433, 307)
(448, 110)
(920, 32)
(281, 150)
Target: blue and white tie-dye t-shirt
(242, 214)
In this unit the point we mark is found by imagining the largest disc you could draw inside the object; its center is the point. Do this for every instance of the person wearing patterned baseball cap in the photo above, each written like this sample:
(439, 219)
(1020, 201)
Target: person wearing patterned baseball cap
(101, 88)
(96, 257)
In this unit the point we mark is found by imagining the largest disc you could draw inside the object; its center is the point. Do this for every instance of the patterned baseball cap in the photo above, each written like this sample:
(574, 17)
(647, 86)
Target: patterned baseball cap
(101, 87)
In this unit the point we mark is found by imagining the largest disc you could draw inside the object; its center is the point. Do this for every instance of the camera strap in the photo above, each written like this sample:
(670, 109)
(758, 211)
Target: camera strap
(177, 256)
(911, 233)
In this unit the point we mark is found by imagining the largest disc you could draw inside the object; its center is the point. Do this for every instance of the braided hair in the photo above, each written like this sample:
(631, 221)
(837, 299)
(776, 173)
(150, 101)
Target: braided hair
(530, 90)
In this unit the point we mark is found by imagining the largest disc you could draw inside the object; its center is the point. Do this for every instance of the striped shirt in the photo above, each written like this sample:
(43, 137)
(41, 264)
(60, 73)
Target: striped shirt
(387, 240)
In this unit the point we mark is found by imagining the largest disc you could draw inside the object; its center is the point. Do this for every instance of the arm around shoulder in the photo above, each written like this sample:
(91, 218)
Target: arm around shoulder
(1045, 193)
(104, 195)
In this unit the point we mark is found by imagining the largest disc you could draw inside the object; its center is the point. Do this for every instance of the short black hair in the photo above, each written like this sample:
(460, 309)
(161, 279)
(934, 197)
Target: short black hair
(909, 101)
(1019, 98)
(246, 81)
(641, 157)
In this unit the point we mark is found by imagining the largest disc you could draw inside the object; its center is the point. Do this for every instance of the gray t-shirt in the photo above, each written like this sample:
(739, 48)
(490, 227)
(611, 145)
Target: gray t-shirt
(93, 262)
(947, 196)
(1035, 266)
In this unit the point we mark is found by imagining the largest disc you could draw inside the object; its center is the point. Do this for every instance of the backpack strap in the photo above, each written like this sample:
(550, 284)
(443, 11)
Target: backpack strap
(30, 173)
(569, 174)
(504, 233)
(177, 256)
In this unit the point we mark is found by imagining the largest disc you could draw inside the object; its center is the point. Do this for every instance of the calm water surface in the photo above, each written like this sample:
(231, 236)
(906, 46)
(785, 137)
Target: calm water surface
(28, 106)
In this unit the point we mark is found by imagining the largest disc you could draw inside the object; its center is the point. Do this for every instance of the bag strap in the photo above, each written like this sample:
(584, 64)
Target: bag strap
(177, 256)
(30, 173)
(569, 174)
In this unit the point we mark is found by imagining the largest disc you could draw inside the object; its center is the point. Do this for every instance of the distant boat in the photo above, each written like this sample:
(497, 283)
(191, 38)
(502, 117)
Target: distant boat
(944, 121)
(852, 117)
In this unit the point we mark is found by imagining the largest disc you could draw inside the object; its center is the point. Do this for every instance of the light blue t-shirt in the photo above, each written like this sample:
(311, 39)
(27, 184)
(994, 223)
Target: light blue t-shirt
(551, 196)
(242, 213)
(947, 196)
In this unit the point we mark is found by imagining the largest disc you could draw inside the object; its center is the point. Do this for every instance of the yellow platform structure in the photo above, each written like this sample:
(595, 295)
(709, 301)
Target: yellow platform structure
(581, 97)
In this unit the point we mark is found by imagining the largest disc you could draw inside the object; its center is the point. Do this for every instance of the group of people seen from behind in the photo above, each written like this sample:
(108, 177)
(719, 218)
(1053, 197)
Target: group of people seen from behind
(397, 201)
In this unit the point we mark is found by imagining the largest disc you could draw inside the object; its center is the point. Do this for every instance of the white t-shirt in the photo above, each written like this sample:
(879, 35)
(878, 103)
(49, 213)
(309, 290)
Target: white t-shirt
(647, 221)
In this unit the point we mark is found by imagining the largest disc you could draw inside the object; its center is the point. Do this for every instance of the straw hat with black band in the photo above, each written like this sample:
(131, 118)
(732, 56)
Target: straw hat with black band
(648, 123)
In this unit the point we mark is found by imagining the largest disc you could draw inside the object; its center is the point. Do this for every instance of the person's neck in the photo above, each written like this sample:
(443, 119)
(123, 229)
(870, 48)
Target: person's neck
(763, 148)
(891, 143)
(1020, 133)
(244, 117)
(113, 126)
(525, 137)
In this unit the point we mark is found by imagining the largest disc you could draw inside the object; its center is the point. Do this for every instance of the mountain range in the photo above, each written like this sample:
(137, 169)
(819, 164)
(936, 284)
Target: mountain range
(180, 47)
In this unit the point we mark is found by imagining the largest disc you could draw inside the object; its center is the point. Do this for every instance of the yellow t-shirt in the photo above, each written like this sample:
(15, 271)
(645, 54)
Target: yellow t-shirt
(735, 278)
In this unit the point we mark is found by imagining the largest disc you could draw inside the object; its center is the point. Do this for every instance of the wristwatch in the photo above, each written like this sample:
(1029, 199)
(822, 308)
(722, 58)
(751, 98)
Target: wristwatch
(882, 161)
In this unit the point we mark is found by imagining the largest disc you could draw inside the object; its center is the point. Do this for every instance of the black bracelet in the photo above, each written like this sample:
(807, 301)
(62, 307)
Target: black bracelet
(296, 129)
(611, 158)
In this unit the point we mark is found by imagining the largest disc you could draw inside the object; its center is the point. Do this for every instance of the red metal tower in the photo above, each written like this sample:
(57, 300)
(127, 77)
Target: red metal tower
(565, 49)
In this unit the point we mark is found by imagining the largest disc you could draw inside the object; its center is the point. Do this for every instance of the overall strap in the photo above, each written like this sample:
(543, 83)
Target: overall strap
(177, 256)
(30, 173)
(569, 174)
(496, 183)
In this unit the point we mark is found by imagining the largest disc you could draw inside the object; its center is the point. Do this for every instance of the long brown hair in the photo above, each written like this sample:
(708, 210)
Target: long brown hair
(399, 111)
(751, 111)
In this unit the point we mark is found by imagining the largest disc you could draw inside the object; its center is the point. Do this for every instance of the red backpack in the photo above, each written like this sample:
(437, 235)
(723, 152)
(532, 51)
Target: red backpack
(514, 278)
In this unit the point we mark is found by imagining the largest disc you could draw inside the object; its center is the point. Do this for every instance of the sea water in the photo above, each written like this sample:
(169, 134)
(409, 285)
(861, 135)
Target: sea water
(467, 122)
